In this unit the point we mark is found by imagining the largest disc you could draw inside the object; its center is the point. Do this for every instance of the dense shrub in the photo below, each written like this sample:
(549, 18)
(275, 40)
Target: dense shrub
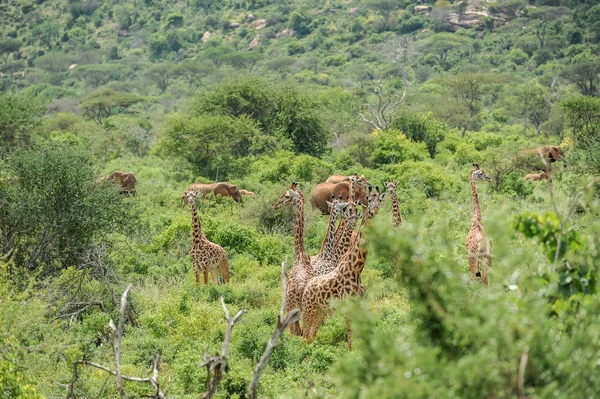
(392, 147)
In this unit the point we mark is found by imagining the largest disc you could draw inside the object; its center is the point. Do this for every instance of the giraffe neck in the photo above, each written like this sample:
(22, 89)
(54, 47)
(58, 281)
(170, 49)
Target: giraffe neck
(328, 242)
(344, 230)
(299, 235)
(354, 259)
(396, 216)
(476, 207)
(198, 234)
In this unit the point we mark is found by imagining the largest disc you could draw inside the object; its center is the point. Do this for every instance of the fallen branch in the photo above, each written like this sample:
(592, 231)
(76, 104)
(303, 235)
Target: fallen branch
(283, 322)
(218, 363)
(118, 333)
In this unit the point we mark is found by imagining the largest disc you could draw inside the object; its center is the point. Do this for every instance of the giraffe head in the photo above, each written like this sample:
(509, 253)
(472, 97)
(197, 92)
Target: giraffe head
(190, 196)
(291, 196)
(479, 174)
(338, 207)
(374, 199)
(359, 181)
(390, 186)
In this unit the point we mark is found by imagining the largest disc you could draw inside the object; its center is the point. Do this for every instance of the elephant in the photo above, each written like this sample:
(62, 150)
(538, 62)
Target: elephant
(127, 181)
(223, 189)
(550, 153)
(249, 193)
(324, 191)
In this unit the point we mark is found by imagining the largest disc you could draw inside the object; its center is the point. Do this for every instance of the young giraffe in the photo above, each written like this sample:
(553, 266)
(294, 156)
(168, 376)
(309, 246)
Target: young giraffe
(206, 255)
(343, 234)
(478, 245)
(396, 216)
(301, 270)
(344, 280)
(324, 262)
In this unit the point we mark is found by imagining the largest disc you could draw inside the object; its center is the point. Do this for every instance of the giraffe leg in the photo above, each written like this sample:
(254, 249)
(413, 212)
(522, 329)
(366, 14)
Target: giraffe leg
(308, 315)
(486, 265)
(205, 270)
(197, 272)
(395, 262)
(292, 303)
(316, 323)
(225, 269)
(473, 263)
(214, 273)
(349, 329)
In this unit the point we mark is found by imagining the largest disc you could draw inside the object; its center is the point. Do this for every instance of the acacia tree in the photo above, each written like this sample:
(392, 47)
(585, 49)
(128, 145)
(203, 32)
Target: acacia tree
(161, 75)
(468, 88)
(584, 74)
(9, 46)
(533, 105)
(46, 32)
(191, 72)
(442, 44)
(543, 16)
(106, 102)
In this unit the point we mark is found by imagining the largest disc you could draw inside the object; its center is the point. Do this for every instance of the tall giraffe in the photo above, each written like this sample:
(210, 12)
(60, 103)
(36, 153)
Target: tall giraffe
(344, 280)
(479, 246)
(301, 271)
(324, 262)
(206, 255)
(396, 216)
(344, 231)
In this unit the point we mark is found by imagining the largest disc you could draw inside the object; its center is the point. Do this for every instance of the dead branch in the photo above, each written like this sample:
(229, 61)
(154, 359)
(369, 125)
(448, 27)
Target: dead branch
(118, 333)
(382, 114)
(522, 366)
(217, 364)
(74, 309)
(283, 322)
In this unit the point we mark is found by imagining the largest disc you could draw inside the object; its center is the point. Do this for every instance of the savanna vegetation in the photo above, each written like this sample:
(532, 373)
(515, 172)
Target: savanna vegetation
(261, 93)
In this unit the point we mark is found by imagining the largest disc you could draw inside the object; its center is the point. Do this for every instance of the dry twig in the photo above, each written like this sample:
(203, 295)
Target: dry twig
(283, 322)
(216, 364)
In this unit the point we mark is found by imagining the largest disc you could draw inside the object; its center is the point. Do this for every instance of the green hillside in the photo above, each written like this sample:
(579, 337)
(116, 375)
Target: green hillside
(265, 93)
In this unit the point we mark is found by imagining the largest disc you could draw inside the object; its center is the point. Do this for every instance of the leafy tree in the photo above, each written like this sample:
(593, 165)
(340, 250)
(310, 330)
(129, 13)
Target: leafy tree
(47, 32)
(281, 65)
(64, 213)
(468, 89)
(543, 16)
(584, 74)
(384, 7)
(583, 115)
(217, 54)
(212, 143)
(533, 105)
(443, 44)
(19, 115)
(300, 23)
(205, 5)
(392, 147)
(161, 75)
(96, 75)
(9, 46)
(423, 129)
(106, 102)
(159, 46)
(54, 63)
(192, 72)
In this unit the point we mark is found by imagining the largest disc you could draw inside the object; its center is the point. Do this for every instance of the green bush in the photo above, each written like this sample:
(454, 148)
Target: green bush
(429, 178)
(392, 147)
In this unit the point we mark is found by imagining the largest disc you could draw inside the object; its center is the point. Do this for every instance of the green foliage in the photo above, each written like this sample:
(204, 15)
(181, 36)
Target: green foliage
(583, 115)
(106, 102)
(393, 147)
(421, 129)
(64, 212)
(19, 115)
(422, 177)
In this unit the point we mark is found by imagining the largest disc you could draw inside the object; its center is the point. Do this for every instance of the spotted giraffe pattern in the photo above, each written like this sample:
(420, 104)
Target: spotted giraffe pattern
(396, 215)
(301, 271)
(479, 246)
(343, 281)
(206, 256)
(343, 234)
(324, 262)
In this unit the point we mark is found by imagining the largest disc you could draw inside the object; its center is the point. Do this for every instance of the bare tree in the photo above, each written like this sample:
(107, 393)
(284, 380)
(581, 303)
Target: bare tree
(381, 114)
(118, 332)
(217, 364)
(283, 322)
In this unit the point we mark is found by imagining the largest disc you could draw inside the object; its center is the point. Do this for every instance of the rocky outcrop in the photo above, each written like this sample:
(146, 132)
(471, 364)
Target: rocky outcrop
(469, 14)
(205, 37)
(255, 42)
(285, 33)
(353, 10)
(421, 9)
(258, 24)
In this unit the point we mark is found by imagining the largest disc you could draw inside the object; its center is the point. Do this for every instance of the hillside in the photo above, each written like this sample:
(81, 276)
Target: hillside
(274, 97)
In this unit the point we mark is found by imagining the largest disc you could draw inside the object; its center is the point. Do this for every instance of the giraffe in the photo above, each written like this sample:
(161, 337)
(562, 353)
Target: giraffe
(324, 262)
(396, 216)
(478, 245)
(301, 271)
(206, 255)
(343, 281)
(344, 231)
